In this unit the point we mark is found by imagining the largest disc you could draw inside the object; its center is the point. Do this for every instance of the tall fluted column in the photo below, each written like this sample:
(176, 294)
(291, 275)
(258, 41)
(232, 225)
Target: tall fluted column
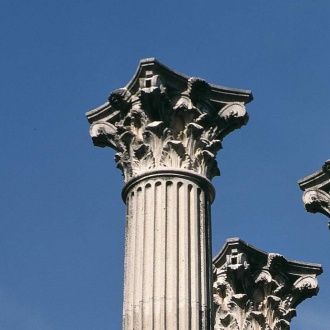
(168, 257)
(167, 129)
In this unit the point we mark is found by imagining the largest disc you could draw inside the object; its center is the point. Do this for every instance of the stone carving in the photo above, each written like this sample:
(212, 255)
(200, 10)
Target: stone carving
(317, 201)
(163, 119)
(316, 189)
(258, 290)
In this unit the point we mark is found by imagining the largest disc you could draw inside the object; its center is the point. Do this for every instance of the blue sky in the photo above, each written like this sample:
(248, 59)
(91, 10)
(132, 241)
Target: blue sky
(61, 216)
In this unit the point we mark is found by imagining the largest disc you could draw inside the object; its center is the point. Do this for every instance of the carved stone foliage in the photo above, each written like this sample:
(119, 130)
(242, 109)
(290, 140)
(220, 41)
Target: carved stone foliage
(316, 189)
(162, 119)
(317, 200)
(255, 290)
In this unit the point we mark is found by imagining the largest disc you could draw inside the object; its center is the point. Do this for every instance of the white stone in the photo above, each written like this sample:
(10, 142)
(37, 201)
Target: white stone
(168, 253)
(167, 129)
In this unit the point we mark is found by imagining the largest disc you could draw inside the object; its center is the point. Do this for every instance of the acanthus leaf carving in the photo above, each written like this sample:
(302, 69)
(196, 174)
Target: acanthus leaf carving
(326, 166)
(255, 290)
(120, 99)
(104, 134)
(316, 187)
(164, 119)
(317, 200)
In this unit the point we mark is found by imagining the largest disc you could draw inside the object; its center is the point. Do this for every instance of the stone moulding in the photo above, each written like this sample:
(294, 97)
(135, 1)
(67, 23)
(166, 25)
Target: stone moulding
(204, 183)
(256, 290)
(316, 187)
(166, 129)
(164, 119)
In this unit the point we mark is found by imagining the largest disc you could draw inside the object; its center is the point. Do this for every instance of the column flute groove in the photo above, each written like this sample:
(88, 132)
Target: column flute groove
(167, 129)
(178, 261)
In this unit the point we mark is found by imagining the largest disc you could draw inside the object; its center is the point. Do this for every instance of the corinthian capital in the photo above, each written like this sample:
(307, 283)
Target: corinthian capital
(255, 290)
(163, 119)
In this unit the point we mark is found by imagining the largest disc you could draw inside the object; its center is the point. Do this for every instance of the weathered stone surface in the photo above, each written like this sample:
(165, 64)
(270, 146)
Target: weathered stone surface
(316, 189)
(256, 290)
(168, 264)
(163, 119)
(167, 129)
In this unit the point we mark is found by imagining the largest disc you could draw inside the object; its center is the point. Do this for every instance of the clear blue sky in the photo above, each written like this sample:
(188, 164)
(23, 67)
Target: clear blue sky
(61, 214)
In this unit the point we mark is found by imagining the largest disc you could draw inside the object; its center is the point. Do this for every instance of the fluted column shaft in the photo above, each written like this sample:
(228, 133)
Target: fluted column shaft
(167, 129)
(168, 263)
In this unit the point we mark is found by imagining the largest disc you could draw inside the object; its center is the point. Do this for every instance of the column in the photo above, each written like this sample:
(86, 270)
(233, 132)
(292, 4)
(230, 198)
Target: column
(168, 258)
(257, 290)
(167, 129)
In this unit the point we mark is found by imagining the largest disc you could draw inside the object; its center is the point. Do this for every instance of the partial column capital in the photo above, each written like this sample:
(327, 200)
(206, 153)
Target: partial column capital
(162, 119)
(316, 187)
(254, 289)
